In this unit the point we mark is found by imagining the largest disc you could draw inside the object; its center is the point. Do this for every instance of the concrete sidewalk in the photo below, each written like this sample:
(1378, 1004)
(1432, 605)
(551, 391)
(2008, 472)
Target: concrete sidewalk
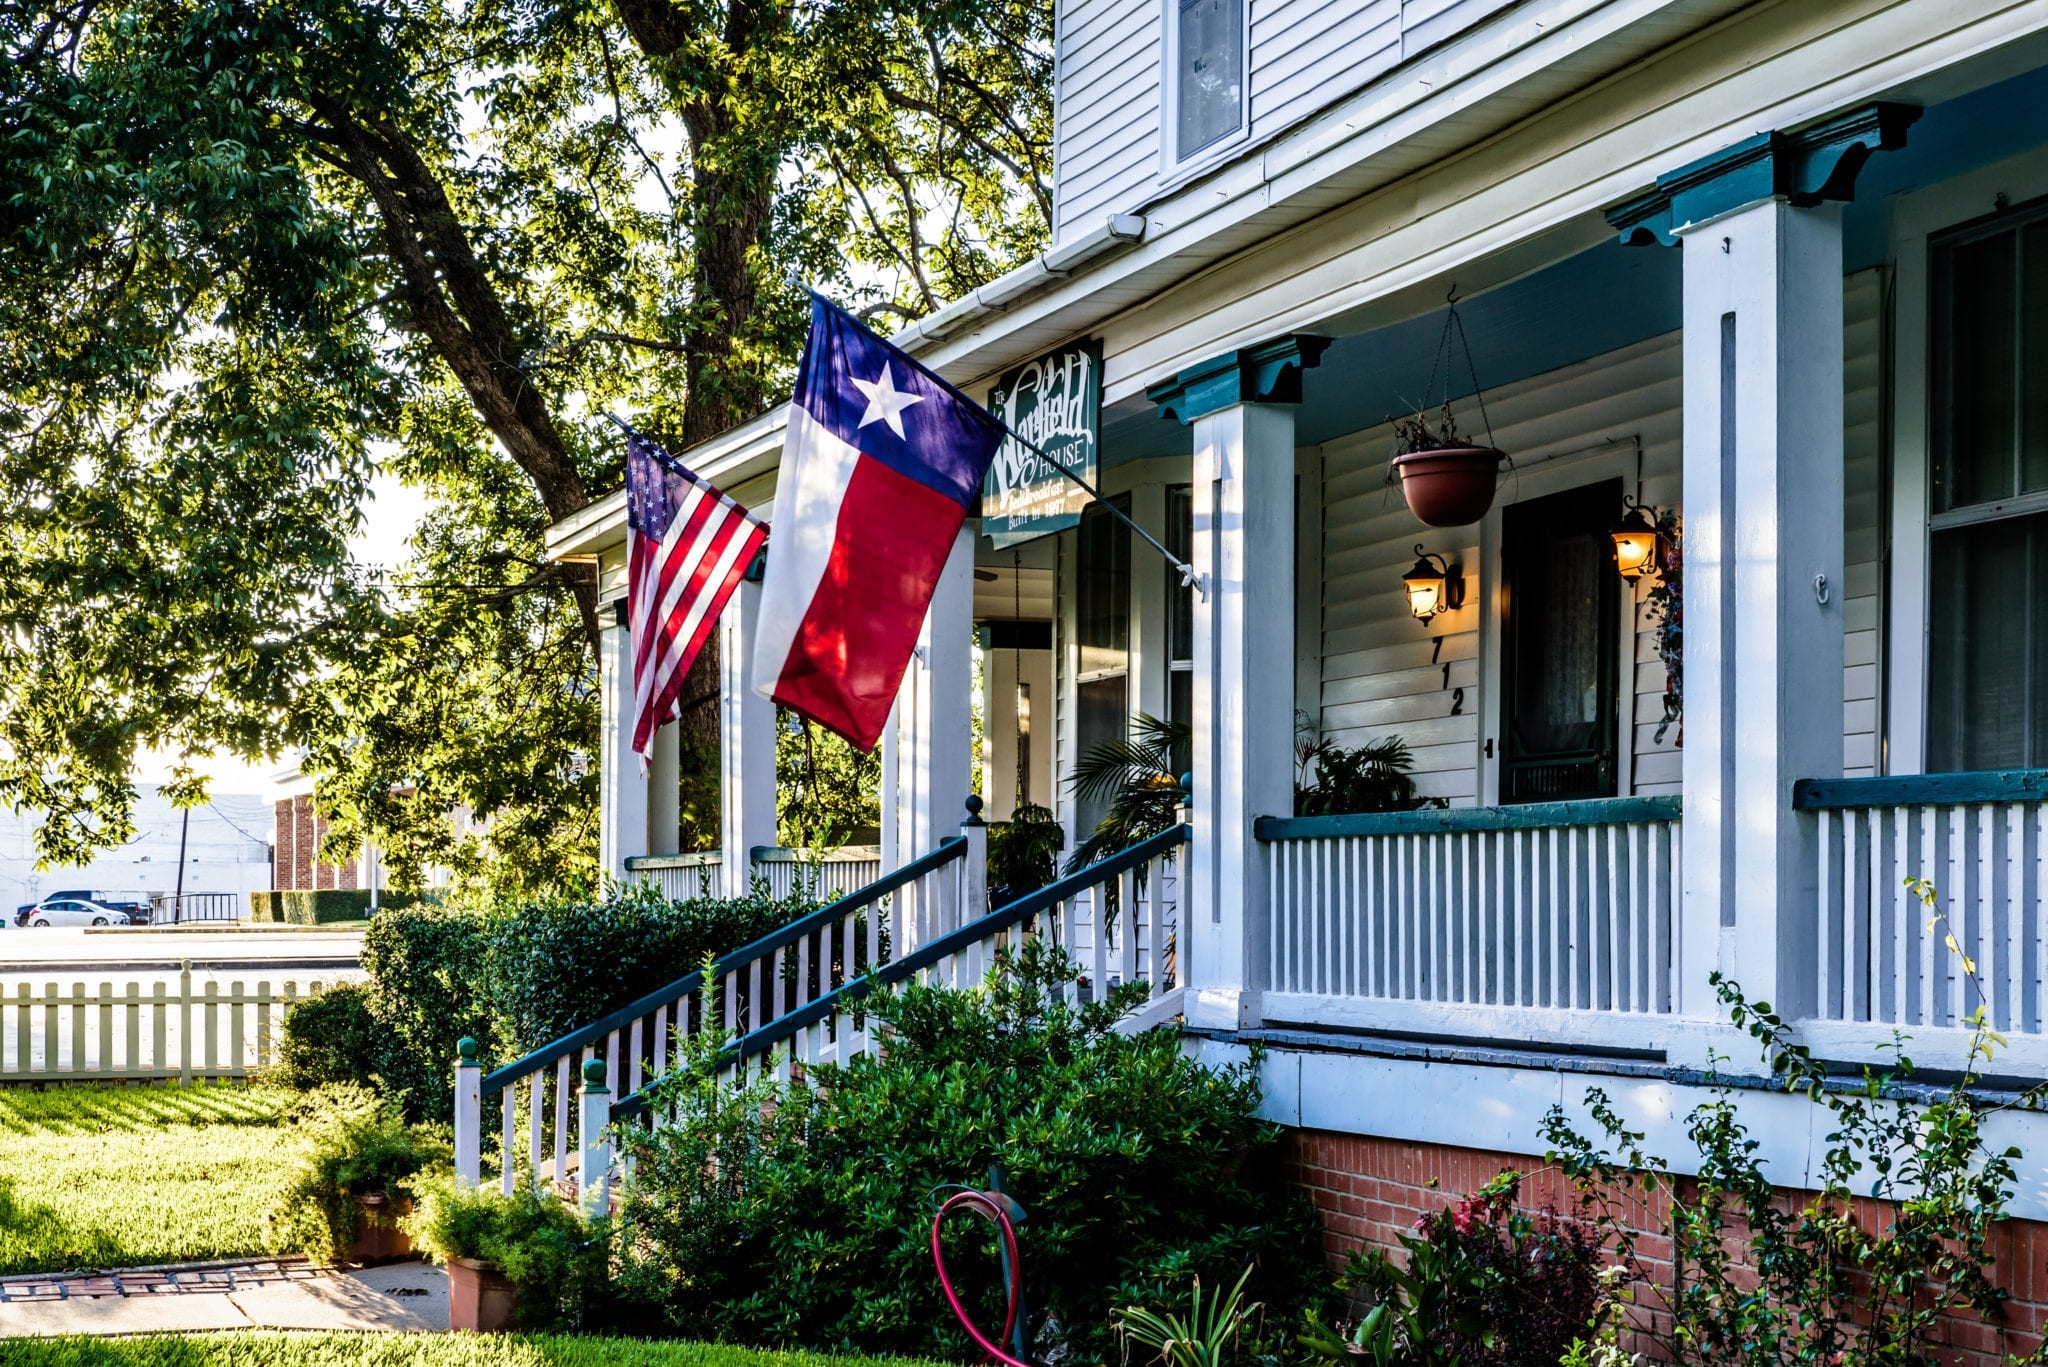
(277, 1294)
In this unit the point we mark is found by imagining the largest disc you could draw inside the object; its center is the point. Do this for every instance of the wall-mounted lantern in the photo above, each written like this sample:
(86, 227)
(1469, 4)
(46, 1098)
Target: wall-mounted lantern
(1434, 585)
(1635, 540)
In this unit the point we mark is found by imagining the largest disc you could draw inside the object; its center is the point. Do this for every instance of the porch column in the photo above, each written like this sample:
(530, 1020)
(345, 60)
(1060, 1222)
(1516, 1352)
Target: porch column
(746, 744)
(1241, 406)
(622, 798)
(664, 792)
(928, 750)
(1761, 227)
(1763, 585)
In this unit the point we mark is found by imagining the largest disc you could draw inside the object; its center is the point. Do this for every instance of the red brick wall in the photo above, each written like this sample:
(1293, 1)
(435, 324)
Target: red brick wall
(299, 832)
(1369, 1190)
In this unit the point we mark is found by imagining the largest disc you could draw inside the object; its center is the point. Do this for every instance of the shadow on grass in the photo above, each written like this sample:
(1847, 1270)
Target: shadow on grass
(104, 1110)
(36, 1238)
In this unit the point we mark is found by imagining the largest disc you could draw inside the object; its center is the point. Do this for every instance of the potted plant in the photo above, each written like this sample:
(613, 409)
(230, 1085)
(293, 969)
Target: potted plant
(1447, 478)
(514, 1262)
(348, 1196)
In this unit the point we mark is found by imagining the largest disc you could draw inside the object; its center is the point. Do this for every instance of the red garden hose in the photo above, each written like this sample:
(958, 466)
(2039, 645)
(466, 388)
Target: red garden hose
(989, 1206)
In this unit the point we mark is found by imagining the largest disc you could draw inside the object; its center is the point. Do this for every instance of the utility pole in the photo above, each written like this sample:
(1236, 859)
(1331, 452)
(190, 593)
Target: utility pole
(178, 897)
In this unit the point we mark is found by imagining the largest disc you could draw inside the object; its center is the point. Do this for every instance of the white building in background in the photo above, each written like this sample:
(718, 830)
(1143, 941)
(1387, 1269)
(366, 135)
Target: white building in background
(226, 850)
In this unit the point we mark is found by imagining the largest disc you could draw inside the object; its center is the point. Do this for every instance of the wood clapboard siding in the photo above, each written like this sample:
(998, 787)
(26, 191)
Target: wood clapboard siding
(1383, 674)
(1303, 56)
(1108, 108)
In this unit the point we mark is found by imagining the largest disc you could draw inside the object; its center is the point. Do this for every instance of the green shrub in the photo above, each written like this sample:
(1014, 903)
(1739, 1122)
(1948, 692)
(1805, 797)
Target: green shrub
(532, 1236)
(802, 1216)
(555, 966)
(426, 968)
(319, 906)
(351, 1143)
(332, 1038)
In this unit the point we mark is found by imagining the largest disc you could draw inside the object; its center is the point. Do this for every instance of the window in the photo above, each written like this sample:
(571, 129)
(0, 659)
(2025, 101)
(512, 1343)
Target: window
(1180, 620)
(1209, 41)
(1560, 644)
(1987, 704)
(1102, 637)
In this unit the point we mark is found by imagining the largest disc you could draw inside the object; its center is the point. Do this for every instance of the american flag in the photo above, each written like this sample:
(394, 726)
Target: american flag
(687, 547)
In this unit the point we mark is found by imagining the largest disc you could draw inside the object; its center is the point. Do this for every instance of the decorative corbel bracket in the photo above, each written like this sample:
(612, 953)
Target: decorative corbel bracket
(1269, 372)
(1803, 167)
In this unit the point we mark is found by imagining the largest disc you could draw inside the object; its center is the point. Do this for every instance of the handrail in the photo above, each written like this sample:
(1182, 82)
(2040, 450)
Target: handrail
(1921, 790)
(949, 849)
(1002, 918)
(1598, 811)
(787, 854)
(690, 859)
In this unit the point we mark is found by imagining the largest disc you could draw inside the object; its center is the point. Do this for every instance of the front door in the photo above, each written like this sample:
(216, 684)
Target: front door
(1559, 643)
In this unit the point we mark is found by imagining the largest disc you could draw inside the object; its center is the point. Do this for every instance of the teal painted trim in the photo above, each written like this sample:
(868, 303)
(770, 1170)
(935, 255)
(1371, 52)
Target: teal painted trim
(1267, 373)
(1001, 919)
(1921, 790)
(949, 850)
(1803, 167)
(1599, 811)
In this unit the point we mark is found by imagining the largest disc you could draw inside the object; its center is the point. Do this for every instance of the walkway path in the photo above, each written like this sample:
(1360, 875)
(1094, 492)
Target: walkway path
(287, 1293)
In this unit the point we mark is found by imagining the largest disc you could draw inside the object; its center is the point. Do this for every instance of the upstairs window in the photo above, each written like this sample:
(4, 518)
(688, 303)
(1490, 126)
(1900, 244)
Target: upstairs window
(1987, 705)
(1209, 41)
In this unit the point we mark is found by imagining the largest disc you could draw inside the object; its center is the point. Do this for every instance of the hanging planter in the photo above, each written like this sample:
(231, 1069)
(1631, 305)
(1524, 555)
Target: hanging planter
(1447, 478)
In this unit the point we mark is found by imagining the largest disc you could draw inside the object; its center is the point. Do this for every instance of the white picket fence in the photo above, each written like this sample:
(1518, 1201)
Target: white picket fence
(1500, 919)
(165, 1030)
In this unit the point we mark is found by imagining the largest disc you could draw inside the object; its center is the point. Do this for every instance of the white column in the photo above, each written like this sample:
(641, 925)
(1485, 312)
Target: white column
(1763, 591)
(664, 795)
(933, 727)
(746, 744)
(622, 798)
(999, 733)
(594, 1163)
(1243, 704)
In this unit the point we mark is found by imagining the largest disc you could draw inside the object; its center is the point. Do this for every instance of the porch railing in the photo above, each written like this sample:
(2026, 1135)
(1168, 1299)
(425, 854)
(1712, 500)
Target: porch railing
(1982, 840)
(746, 991)
(830, 873)
(1138, 941)
(680, 877)
(1486, 920)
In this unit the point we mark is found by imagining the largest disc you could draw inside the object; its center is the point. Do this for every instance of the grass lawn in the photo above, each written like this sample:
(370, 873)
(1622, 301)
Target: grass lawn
(123, 1176)
(406, 1350)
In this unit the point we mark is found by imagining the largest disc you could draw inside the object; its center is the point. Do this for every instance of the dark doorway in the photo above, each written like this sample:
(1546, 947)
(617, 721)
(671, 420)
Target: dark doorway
(1559, 646)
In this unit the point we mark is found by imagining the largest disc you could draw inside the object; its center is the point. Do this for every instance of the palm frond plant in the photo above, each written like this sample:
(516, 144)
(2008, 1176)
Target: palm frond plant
(1374, 777)
(1137, 777)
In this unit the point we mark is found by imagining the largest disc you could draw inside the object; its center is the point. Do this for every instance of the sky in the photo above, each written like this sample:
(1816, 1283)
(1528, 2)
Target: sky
(390, 514)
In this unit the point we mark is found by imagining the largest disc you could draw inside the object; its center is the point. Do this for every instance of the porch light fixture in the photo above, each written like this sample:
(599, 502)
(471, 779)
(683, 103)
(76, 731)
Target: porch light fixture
(1434, 586)
(1635, 540)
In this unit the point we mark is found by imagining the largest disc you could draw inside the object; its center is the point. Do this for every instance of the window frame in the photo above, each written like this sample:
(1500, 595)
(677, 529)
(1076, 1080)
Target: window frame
(1921, 219)
(1174, 164)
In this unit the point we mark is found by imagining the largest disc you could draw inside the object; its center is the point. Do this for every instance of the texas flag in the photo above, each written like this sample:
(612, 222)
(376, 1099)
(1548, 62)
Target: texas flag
(881, 462)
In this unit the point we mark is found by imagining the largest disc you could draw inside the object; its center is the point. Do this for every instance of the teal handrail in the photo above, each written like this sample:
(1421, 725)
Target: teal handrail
(1921, 790)
(949, 849)
(1598, 811)
(1002, 918)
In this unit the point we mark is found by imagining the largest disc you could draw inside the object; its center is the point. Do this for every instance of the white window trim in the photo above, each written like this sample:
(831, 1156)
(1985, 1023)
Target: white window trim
(1916, 218)
(1538, 478)
(1173, 167)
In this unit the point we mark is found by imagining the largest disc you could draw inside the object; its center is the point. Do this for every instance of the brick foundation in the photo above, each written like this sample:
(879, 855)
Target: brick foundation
(1368, 1191)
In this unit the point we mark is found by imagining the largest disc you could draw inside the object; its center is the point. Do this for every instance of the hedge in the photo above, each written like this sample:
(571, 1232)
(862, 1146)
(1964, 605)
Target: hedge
(314, 907)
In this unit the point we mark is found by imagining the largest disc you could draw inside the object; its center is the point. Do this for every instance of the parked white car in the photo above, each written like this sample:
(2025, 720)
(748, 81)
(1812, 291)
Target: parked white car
(72, 911)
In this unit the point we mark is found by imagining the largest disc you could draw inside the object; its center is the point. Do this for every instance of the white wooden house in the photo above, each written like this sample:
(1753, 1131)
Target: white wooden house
(1780, 269)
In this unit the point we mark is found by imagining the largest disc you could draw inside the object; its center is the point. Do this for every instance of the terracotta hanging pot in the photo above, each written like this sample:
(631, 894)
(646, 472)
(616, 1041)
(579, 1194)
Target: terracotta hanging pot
(1451, 486)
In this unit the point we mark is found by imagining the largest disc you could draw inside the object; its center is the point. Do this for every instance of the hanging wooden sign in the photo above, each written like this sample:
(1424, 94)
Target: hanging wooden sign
(1055, 401)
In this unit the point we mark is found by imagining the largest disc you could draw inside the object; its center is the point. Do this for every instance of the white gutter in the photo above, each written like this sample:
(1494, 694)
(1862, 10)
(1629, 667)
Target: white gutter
(1048, 268)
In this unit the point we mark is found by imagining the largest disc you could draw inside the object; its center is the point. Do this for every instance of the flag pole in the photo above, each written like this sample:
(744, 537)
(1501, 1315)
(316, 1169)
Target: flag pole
(1189, 577)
